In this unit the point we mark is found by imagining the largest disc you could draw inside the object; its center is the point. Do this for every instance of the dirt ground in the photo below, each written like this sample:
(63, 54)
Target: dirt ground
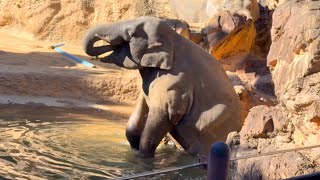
(22, 49)
(31, 72)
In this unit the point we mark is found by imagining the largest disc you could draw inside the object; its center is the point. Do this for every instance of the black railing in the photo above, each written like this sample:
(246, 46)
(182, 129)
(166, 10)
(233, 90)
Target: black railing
(218, 162)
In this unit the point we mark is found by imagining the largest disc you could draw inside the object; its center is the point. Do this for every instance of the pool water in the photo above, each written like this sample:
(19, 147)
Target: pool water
(38, 142)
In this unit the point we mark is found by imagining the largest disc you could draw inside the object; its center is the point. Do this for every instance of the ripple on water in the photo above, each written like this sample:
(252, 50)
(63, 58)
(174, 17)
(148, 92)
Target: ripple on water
(78, 145)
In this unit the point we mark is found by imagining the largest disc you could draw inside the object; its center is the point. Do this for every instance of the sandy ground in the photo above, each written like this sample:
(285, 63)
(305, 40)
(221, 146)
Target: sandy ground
(31, 72)
(21, 49)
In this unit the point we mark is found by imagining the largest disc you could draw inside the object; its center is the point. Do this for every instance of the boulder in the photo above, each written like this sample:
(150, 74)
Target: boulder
(229, 38)
(230, 32)
(262, 120)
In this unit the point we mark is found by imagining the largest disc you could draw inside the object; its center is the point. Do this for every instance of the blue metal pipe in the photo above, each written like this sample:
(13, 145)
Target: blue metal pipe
(57, 45)
(218, 161)
(78, 60)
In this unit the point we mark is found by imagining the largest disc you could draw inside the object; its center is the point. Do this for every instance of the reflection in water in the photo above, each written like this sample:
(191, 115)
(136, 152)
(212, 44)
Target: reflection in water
(53, 143)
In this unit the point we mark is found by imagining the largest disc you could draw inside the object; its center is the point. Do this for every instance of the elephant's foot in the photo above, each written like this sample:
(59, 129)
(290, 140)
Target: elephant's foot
(156, 127)
(147, 152)
(133, 136)
(188, 141)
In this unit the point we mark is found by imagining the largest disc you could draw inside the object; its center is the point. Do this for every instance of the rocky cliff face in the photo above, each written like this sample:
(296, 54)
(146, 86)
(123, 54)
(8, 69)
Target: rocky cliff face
(294, 58)
(294, 54)
(294, 62)
(66, 20)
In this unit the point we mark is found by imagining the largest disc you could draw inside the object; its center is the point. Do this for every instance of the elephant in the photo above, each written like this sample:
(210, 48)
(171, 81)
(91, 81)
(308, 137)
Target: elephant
(185, 91)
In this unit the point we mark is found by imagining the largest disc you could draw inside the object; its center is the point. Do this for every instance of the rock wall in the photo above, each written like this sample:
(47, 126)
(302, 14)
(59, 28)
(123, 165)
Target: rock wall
(67, 20)
(294, 62)
(294, 59)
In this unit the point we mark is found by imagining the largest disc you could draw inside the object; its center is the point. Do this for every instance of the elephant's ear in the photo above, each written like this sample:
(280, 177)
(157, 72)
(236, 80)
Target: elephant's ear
(153, 45)
(159, 54)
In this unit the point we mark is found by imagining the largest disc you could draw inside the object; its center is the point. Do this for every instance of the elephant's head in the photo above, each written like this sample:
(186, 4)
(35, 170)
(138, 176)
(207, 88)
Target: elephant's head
(144, 42)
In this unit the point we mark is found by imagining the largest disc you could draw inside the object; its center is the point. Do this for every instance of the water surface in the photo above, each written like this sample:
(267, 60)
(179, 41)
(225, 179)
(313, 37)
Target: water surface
(38, 142)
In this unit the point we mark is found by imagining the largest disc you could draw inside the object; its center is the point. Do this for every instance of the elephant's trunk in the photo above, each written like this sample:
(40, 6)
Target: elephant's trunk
(103, 31)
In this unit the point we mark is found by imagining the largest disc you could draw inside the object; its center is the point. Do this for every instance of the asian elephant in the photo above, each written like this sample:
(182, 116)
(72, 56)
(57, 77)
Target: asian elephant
(185, 91)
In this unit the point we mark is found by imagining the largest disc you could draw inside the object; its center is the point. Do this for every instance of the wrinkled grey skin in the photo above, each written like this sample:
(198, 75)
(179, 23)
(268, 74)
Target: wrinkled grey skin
(185, 90)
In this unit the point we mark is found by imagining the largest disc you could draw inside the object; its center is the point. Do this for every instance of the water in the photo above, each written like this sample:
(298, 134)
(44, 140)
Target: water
(56, 143)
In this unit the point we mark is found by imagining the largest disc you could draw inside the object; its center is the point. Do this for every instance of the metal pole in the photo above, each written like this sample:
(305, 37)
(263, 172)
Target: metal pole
(218, 162)
(76, 59)
(306, 176)
(156, 172)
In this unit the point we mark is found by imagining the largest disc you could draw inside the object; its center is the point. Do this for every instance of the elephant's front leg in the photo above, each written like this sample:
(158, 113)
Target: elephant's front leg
(137, 122)
(156, 127)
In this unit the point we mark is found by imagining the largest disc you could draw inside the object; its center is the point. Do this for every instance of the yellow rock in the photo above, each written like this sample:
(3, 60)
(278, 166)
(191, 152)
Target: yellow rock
(240, 40)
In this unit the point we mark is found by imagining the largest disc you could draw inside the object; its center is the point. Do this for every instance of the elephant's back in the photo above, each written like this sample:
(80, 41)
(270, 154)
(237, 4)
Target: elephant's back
(215, 109)
(209, 81)
(212, 85)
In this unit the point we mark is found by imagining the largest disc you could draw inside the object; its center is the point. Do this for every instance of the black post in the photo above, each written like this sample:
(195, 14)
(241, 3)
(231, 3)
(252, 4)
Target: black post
(218, 162)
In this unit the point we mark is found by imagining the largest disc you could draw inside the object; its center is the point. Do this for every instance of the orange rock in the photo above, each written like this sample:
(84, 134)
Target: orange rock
(229, 35)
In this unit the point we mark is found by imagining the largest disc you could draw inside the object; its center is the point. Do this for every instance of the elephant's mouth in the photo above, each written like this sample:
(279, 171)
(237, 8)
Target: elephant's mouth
(111, 48)
(117, 51)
